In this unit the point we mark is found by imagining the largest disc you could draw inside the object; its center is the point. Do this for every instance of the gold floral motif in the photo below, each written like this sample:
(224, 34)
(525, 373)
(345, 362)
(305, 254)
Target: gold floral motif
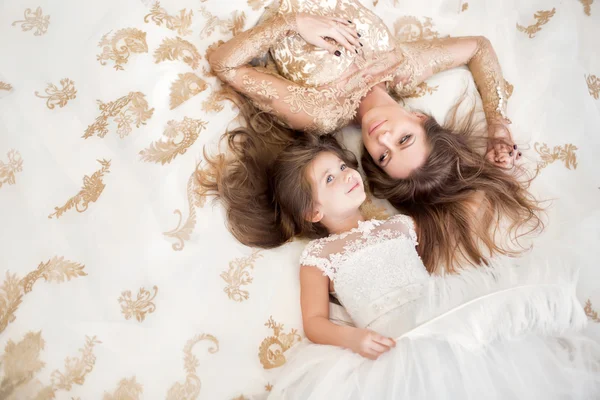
(256, 4)
(410, 29)
(565, 153)
(76, 368)
(123, 44)
(190, 389)
(238, 275)
(589, 311)
(509, 89)
(8, 170)
(13, 289)
(593, 83)
(178, 49)
(165, 151)
(272, 348)
(126, 110)
(587, 6)
(370, 210)
(268, 387)
(187, 86)
(5, 86)
(375, 3)
(59, 97)
(183, 231)
(422, 89)
(180, 23)
(212, 103)
(542, 18)
(234, 25)
(465, 7)
(89, 193)
(127, 389)
(34, 20)
(139, 307)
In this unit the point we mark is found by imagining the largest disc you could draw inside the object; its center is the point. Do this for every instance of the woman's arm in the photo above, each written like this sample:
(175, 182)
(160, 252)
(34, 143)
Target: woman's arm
(314, 300)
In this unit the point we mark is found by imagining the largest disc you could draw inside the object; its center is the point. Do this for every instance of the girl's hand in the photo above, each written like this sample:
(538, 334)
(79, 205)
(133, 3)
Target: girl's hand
(314, 28)
(502, 150)
(370, 344)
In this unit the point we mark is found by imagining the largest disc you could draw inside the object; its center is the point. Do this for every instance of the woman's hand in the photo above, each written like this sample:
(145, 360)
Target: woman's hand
(502, 150)
(370, 344)
(314, 29)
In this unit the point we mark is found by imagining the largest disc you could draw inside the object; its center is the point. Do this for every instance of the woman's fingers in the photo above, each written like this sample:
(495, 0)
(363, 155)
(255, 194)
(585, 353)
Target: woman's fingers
(349, 37)
(341, 21)
(324, 44)
(341, 39)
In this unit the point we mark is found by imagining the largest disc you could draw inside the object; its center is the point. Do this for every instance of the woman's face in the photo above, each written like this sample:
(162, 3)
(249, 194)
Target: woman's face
(338, 190)
(395, 139)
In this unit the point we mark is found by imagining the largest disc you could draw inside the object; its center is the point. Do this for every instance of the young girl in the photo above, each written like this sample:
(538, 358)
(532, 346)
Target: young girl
(505, 332)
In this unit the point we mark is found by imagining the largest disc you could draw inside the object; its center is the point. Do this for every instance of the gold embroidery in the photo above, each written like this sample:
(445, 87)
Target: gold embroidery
(410, 29)
(509, 89)
(178, 49)
(123, 43)
(89, 193)
(589, 311)
(138, 109)
(183, 231)
(190, 389)
(13, 289)
(59, 97)
(234, 25)
(5, 86)
(238, 275)
(34, 20)
(265, 88)
(268, 387)
(165, 151)
(564, 153)
(370, 210)
(422, 89)
(211, 104)
(272, 348)
(465, 7)
(127, 389)
(187, 86)
(375, 3)
(139, 307)
(593, 83)
(542, 18)
(8, 170)
(76, 368)
(587, 9)
(180, 23)
(256, 4)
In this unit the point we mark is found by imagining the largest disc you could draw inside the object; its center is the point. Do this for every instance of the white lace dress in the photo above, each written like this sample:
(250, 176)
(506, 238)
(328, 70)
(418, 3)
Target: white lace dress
(499, 332)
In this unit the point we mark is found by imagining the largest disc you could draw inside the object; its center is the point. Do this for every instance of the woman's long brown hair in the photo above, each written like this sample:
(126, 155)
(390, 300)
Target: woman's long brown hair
(458, 199)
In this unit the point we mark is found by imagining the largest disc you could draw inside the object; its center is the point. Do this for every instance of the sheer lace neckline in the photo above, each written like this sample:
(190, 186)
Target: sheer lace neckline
(363, 226)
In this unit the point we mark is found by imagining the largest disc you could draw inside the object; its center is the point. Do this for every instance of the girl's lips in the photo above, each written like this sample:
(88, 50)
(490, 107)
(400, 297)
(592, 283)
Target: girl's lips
(375, 125)
(353, 187)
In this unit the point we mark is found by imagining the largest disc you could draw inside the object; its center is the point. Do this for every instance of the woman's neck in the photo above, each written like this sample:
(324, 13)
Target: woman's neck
(344, 224)
(376, 97)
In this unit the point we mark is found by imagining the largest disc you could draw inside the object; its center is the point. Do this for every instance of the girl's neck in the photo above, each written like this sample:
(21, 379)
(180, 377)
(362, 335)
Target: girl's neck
(377, 97)
(344, 224)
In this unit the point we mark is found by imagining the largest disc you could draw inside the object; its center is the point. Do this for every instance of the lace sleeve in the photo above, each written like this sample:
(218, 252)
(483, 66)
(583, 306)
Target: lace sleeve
(312, 257)
(296, 106)
(428, 57)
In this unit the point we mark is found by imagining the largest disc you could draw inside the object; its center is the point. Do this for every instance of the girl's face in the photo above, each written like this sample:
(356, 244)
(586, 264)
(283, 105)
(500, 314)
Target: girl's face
(338, 190)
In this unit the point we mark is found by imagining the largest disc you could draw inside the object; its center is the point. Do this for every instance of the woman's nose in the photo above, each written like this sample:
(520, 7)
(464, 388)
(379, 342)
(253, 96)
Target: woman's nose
(384, 138)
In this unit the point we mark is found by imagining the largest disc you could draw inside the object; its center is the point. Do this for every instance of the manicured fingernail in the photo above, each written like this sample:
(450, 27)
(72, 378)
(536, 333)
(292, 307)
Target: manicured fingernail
(515, 147)
(349, 21)
(356, 51)
(361, 45)
(337, 53)
(510, 154)
(358, 34)
(520, 154)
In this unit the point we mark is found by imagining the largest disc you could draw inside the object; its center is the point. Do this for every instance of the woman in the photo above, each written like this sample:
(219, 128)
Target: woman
(338, 65)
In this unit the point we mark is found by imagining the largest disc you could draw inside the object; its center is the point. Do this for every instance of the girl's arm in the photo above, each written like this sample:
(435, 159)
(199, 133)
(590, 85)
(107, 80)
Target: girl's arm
(314, 300)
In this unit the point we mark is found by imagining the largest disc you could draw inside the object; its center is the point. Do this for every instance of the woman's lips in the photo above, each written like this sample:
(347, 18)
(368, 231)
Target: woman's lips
(375, 125)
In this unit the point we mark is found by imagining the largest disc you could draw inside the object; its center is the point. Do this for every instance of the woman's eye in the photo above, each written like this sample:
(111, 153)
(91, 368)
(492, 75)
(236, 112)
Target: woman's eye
(405, 139)
(383, 157)
(343, 167)
(329, 178)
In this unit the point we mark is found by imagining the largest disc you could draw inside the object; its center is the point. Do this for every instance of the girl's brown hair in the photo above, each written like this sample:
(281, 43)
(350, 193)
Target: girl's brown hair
(262, 180)
(458, 198)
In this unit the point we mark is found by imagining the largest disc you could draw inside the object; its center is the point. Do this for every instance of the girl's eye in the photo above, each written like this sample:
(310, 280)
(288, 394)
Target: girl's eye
(329, 178)
(383, 156)
(343, 167)
(405, 139)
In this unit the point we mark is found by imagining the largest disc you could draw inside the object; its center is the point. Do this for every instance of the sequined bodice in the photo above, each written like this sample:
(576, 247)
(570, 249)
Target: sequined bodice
(373, 267)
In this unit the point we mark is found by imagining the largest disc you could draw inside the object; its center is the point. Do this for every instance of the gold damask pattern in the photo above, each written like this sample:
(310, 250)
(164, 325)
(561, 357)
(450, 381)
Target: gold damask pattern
(542, 18)
(121, 46)
(272, 349)
(370, 210)
(21, 363)
(234, 25)
(190, 388)
(589, 311)
(564, 153)
(8, 170)
(180, 23)
(139, 307)
(593, 83)
(185, 87)
(422, 89)
(465, 7)
(239, 275)
(34, 20)
(410, 29)
(212, 103)
(509, 88)
(59, 97)
(89, 193)
(257, 4)
(178, 137)
(126, 110)
(13, 289)
(5, 86)
(587, 6)
(178, 49)
(127, 389)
